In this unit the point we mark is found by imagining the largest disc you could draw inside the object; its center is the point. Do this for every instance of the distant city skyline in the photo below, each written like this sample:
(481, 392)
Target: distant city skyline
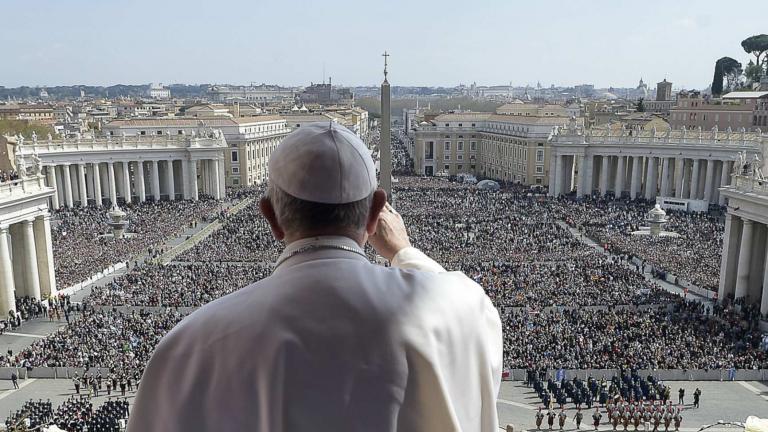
(446, 43)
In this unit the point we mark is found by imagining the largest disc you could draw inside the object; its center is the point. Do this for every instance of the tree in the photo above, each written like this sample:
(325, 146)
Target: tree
(640, 106)
(725, 68)
(756, 45)
(753, 72)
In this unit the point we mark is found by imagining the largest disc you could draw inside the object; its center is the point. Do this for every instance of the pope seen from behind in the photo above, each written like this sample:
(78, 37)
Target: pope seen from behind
(330, 341)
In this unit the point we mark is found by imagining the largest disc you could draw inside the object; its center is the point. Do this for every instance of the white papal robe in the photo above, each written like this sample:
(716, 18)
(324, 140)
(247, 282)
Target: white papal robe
(330, 342)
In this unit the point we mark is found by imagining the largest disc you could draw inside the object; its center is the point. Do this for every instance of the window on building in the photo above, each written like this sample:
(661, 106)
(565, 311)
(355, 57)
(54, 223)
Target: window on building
(159, 132)
(235, 170)
(235, 182)
(539, 170)
(460, 125)
(447, 146)
(538, 181)
(447, 124)
(460, 157)
(234, 155)
(460, 167)
(143, 133)
(473, 145)
(460, 145)
(447, 167)
(447, 157)
(540, 156)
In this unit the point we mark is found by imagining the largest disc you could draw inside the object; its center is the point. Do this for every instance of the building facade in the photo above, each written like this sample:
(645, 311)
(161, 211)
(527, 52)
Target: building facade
(690, 165)
(511, 147)
(26, 250)
(744, 268)
(110, 171)
(693, 111)
(250, 140)
(258, 93)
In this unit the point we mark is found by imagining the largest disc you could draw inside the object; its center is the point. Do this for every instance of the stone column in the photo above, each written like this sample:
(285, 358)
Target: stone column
(604, 167)
(97, 196)
(169, 180)
(20, 272)
(725, 180)
(589, 172)
(194, 193)
(7, 287)
(651, 183)
(552, 174)
(185, 181)
(30, 260)
(730, 256)
(222, 180)
(155, 181)
(620, 176)
(215, 179)
(140, 186)
(44, 248)
(695, 180)
(560, 179)
(58, 174)
(745, 259)
(112, 184)
(50, 172)
(634, 185)
(679, 190)
(665, 176)
(709, 179)
(81, 185)
(67, 186)
(127, 181)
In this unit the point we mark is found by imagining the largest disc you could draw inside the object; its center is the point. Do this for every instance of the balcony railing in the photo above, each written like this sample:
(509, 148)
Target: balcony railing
(750, 184)
(19, 187)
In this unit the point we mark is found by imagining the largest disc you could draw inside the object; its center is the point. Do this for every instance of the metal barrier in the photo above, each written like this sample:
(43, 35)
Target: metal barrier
(660, 374)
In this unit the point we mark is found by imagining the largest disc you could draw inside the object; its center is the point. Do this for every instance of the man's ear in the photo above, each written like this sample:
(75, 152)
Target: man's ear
(377, 203)
(269, 214)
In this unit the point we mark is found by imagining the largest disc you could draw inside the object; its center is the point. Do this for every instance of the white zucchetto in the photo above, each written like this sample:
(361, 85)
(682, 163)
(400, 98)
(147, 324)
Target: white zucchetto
(323, 162)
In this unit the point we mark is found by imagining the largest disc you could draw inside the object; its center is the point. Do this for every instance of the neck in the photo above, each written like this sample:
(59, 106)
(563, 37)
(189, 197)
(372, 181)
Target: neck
(357, 235)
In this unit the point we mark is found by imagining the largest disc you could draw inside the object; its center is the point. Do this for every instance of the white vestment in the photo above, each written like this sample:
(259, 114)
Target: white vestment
(330, 342)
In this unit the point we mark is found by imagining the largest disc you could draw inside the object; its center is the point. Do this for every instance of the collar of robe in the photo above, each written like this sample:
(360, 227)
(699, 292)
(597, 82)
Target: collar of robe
(319, 243)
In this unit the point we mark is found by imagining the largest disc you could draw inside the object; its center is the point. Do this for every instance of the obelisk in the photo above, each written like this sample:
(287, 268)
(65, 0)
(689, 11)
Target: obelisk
(385, 144)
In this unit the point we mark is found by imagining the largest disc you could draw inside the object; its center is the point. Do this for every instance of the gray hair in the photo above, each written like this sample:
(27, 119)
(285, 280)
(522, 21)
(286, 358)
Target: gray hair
(298, 215)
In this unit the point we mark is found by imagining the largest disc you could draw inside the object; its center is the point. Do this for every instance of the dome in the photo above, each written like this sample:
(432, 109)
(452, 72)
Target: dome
(488, 185)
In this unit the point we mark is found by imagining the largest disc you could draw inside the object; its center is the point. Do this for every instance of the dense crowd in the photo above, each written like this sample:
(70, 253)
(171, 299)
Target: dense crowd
(177, 285)
(243, 237)
(682, 338)
(81, 249)
(105, 338)
(694, 256)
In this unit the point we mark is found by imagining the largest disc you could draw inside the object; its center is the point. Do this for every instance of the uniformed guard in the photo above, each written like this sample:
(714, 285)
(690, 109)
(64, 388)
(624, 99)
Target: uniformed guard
(636, 418)
(561, 419)
(667, 420)
(579, 418)
(596, 418)
(551, 419)
(539, 418)
(615, 419)
(678, 419)
(340, 338)
(625, 418)
(696, 397)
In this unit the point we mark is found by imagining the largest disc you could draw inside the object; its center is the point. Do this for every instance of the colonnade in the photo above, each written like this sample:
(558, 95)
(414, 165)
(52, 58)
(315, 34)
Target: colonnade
(744, 268)
(26, 261)
(640, 176)
(81, 183)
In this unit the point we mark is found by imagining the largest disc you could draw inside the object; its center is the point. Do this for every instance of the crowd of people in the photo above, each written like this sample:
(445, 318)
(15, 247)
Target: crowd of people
(81, 249)
(177, 285)
(104, 338)
(693, 256)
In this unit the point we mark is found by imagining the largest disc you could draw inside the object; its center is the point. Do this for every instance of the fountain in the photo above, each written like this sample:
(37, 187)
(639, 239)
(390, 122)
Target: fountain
(117, 222)
(656, 218)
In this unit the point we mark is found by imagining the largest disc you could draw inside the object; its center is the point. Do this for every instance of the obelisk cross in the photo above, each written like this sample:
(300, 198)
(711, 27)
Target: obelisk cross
(385, 55)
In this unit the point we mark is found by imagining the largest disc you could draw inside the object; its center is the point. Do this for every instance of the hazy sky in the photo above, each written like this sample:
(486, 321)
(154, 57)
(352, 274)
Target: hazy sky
(446, 42)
